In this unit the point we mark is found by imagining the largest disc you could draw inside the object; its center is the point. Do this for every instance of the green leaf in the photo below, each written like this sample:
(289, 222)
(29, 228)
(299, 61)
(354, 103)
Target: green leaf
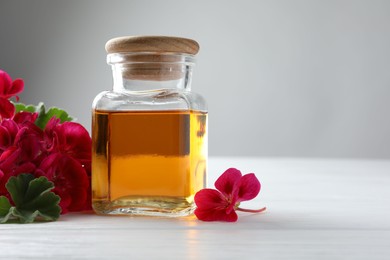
(29, 108)
(53, 111)
(18, 186)
(43, 115)
(5, 207)
(32, 198)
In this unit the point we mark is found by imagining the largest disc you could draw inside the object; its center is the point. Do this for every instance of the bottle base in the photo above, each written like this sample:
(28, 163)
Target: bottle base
(145, 206)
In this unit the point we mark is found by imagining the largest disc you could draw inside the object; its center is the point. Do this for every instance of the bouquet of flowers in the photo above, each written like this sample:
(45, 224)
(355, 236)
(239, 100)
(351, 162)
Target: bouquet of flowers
(45, 159)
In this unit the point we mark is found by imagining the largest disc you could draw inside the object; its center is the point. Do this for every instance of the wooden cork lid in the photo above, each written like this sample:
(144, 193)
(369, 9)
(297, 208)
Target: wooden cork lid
(158, 44)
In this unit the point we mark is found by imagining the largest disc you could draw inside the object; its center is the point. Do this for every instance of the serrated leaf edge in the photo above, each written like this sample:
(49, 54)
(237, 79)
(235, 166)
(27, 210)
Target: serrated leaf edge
(27, 217)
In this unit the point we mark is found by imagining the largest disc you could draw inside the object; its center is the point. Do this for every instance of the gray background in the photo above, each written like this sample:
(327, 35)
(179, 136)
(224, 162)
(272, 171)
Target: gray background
(282, 78)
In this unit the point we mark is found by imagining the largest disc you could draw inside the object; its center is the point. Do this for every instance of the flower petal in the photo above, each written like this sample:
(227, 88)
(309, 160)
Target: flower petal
(24, 116)
(9, 158)
(29, 139)
(5, 83)
(8, 88)
(7, 109)
(215, 215)
(5, 138)
(249, 187)
(11, 126)
(228, 183)
(65, 201)
(17, 87)
(210, 199)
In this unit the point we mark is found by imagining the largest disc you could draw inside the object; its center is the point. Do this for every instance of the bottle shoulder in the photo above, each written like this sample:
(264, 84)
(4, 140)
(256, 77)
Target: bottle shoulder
(150, 100)
(195, 101)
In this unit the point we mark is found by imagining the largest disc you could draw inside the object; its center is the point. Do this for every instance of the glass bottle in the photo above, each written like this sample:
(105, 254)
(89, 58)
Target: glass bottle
(149, 133)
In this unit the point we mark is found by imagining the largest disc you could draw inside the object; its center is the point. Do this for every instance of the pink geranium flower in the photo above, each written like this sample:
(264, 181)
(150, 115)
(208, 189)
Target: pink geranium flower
(232, 189)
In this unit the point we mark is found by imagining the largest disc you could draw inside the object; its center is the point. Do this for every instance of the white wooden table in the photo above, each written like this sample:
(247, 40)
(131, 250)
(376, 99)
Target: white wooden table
(317, 209)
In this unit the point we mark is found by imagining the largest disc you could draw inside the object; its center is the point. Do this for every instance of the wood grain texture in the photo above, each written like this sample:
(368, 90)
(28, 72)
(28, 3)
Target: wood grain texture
(159, 44)
(317, 209)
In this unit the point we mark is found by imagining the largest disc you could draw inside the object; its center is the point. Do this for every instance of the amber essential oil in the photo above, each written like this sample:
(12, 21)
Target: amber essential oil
(148, 162)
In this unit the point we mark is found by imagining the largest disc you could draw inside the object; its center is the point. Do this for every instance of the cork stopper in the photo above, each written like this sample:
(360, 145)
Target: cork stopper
(158, 44)
(157, 58)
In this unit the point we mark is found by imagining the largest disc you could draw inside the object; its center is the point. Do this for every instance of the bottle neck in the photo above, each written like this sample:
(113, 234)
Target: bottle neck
(143, 72)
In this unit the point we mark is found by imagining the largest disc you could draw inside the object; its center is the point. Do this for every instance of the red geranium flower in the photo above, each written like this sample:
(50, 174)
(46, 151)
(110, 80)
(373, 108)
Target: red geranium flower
(70, 181)
(61, 151)
(69, 138)
(20, 147)
(8, 89)
(232, 189)
(68, 164)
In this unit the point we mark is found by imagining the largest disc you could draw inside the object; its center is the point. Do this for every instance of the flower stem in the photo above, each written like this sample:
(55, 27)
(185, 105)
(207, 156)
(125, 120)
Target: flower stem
(251, 210)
